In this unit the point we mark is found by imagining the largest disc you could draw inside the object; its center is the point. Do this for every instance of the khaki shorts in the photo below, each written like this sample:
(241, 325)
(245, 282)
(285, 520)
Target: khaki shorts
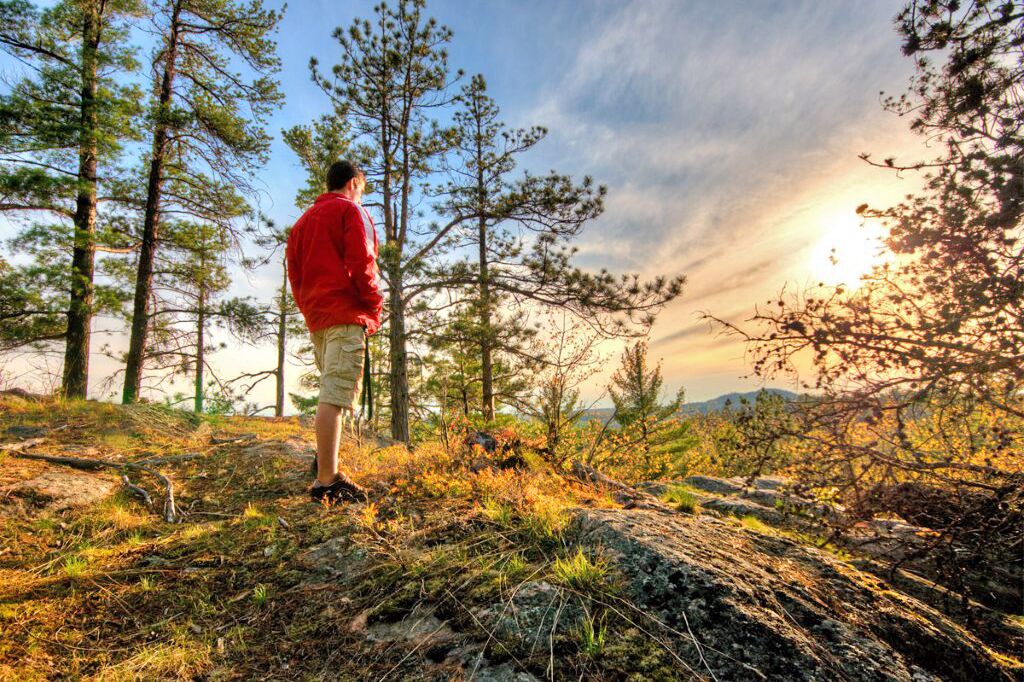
(338, 352)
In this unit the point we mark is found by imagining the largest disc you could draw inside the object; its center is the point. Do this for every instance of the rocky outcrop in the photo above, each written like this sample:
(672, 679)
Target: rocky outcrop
(734, 604)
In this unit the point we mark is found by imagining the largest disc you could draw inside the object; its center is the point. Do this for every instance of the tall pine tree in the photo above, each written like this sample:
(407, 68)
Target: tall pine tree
(61, 129)
(208, 133)
(521, 230)
(196, 274)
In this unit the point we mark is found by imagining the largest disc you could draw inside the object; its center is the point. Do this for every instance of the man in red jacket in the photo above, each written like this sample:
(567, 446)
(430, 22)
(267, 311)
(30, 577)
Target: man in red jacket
(332, 267)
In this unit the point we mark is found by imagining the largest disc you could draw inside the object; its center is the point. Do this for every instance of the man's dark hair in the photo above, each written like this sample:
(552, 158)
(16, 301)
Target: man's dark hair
(340, 173)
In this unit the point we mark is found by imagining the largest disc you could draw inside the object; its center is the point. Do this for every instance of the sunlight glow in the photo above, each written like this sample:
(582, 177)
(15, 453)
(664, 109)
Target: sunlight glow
(846, 251)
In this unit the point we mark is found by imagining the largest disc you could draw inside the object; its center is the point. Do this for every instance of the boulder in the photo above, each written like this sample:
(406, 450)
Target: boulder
(421, 627)
(484, 441)
(336, 557)
(739, 506)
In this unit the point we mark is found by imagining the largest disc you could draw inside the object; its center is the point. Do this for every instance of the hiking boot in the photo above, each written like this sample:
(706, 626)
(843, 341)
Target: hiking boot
(343, 489)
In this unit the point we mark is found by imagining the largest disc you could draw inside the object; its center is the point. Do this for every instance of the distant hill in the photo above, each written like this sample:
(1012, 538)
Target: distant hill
(716, 404)
(706, 406)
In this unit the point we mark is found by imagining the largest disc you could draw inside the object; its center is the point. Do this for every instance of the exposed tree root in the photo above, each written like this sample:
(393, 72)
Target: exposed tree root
(138, 490)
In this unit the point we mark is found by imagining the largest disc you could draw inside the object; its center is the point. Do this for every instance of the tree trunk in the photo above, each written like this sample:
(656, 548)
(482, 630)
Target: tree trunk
(399, 371)
(151, 222)
(200, 350)
(83, 259)
(486, 368)
(282, 341)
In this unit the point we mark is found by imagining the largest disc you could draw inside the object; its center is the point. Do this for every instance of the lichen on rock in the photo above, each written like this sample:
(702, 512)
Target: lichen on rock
(734, 605)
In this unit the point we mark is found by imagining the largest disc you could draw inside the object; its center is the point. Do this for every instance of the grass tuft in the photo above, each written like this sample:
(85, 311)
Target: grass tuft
(75, 566)
(253, 517)
(171, 660)
(683, 499)
(755, 524)
(591, 636)
(259, 595)
(544, 521)
(515, 565)
(500, 512)
(581, 573)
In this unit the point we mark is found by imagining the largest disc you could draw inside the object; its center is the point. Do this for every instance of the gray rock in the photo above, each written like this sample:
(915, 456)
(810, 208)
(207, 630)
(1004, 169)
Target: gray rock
(738, 506)
(62, 489)
(535, 613)
(418, 627)
(769, 482)
(336, 556)
(711, 484)
(776, 501)
(501, 673)
(768, 498)
(24, 432)
(656, 488)
(748, 606)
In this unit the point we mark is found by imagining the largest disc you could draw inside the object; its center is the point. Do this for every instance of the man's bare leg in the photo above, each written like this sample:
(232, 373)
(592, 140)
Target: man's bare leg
(328, 435)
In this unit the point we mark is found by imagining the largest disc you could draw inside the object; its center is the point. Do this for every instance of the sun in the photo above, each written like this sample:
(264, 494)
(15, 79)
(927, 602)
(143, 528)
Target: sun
(846, 251)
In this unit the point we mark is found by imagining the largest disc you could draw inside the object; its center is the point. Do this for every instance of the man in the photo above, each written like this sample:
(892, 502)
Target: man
(332, 267)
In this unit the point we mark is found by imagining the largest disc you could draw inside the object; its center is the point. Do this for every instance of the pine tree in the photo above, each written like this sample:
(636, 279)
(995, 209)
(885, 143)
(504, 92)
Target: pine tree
(61, 128)
(453, 381)
(480, 198)
(190, 275)
(285, 321)
(522, 229)
(208, 130)
(190, 279)
(392, 77)
(652, 426)
(317, 146)
(205, 271)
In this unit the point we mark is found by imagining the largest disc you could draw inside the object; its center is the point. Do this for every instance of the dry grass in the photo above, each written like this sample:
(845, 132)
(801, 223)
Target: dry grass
(114, 592)
(166, 660)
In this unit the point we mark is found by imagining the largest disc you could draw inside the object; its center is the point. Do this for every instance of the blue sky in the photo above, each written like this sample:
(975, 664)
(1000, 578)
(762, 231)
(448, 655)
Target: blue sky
(727, 134)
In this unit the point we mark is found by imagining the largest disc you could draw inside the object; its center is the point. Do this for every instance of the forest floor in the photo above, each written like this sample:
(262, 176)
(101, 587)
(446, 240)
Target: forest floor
(448, 573)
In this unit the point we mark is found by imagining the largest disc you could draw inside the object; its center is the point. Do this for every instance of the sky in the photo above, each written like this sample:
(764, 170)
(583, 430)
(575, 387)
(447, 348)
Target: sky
(727, 134)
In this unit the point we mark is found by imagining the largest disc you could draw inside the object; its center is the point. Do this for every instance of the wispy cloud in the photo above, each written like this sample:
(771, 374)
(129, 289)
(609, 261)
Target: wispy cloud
(728, 136)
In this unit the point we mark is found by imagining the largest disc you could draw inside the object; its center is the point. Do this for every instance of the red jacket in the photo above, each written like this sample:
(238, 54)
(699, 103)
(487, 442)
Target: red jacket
(332, 265)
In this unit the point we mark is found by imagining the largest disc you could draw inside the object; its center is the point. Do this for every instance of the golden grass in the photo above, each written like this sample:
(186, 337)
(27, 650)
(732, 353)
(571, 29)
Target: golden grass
(230, 561)
(683, 498)
(181, 659)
